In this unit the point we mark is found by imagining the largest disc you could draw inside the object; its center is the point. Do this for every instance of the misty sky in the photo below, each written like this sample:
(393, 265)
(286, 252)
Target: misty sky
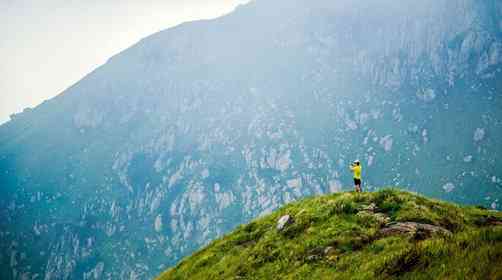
(46, 46)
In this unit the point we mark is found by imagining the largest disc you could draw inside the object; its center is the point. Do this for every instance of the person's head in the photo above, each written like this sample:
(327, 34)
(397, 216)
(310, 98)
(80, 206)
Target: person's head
(357, 162)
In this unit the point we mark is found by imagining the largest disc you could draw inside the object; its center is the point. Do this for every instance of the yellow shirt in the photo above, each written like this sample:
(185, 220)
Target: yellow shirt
(357, 171)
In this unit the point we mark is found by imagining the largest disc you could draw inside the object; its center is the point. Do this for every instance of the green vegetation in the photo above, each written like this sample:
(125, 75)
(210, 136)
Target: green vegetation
(337, 237)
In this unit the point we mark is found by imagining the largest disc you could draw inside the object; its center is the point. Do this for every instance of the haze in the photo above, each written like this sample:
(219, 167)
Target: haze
(46, 46)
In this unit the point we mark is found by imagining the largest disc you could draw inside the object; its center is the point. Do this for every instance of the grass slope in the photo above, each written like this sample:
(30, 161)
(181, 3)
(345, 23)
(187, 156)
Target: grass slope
(331, 238)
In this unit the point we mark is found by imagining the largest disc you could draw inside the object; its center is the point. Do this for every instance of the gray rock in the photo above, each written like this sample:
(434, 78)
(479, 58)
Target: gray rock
(329, 250)
(416, 229)
(283, 222)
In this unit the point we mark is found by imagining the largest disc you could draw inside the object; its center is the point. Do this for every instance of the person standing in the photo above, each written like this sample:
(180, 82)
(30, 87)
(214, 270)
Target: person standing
(356, 168)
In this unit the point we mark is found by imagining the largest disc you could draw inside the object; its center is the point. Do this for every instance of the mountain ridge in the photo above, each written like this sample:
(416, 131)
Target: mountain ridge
(388, 234)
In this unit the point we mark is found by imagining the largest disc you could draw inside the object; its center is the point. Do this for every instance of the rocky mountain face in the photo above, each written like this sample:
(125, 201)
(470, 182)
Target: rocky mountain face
(204, 126)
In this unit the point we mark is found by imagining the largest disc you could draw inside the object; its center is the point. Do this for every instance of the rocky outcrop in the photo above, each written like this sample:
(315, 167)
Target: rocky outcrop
(414, 229)
(488, 221)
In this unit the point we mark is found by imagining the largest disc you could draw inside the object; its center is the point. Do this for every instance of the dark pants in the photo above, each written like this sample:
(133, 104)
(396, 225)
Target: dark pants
(357, 183)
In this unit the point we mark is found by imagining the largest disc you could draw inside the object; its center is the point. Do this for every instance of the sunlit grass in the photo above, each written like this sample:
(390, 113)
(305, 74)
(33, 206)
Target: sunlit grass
(258, 251)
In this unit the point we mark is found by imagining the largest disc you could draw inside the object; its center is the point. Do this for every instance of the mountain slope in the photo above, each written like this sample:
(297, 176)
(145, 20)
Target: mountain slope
(204, 126)
(388, 234)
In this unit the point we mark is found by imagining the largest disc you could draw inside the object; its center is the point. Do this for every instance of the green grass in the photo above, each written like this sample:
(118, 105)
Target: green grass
(258, 251)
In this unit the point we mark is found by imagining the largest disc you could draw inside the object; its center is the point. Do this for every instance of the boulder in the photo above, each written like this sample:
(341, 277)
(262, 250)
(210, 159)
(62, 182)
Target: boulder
(415, 229)
(316, 254)
(283, 222)
(329, 250)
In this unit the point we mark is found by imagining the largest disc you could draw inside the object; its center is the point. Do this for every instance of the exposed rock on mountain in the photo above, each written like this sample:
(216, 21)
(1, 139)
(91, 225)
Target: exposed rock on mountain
(207, 125)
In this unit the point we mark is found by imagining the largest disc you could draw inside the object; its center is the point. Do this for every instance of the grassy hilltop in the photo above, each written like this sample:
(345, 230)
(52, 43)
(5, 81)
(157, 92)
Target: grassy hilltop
(382, 235)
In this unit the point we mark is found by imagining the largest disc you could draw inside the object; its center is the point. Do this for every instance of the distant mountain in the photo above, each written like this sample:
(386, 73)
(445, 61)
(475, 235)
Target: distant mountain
(381, 235)
(207, 125)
